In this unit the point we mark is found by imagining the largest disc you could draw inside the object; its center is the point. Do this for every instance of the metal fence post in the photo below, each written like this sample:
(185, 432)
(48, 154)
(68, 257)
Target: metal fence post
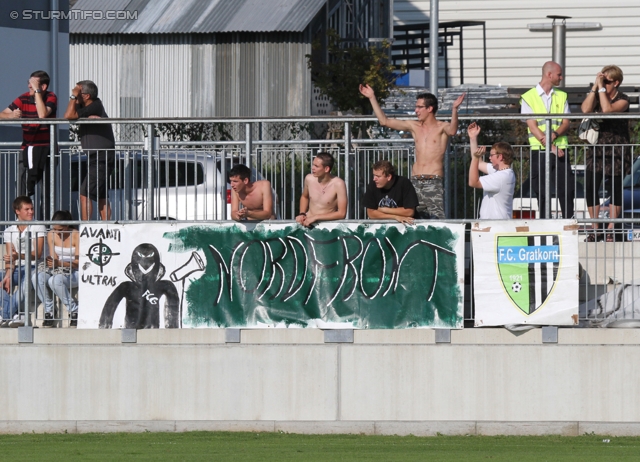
(293, 182)
(150, 153)
(547, 173)
(223, 186)
(347, 165)
(248, 144)
(127, 192)
(48, 212)
(27, 276)
(447, 181)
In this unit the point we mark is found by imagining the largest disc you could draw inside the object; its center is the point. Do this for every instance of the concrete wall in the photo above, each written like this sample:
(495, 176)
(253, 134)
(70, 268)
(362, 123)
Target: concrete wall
(486, 381)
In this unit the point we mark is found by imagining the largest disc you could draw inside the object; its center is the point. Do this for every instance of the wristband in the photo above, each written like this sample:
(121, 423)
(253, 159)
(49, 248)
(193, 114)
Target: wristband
(303, 213)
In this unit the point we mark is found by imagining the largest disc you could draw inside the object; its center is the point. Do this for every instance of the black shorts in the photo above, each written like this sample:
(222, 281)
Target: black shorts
(95, 183)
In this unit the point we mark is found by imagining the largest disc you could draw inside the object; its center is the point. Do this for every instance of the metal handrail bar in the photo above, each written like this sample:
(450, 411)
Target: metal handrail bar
(343, 119)
(242, 142)
(17, 144)
(201, 222)
(120, 144)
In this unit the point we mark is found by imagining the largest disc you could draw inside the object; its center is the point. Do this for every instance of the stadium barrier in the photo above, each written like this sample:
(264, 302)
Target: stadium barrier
(186, 181)
(481, 381)
(283, 274)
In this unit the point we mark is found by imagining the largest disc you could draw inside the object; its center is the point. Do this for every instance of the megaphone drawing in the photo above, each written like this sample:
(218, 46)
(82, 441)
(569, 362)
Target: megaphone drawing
(195, 264)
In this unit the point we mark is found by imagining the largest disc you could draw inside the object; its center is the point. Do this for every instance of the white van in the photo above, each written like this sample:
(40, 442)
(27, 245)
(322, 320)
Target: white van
(186, 186)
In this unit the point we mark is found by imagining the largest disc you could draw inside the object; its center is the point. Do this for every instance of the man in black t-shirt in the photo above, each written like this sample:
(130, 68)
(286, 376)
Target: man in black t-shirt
(98, 143)
(389, 196)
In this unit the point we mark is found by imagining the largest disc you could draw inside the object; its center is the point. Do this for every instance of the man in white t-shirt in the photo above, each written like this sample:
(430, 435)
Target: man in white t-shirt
(500, 180)
(14, 273)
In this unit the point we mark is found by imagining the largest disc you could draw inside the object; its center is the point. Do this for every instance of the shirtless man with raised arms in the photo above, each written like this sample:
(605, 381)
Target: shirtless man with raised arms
(324, 196)
(431, 137)
(256, 197)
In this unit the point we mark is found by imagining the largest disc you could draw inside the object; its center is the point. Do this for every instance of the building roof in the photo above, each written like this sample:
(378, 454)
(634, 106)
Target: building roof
(191, 16)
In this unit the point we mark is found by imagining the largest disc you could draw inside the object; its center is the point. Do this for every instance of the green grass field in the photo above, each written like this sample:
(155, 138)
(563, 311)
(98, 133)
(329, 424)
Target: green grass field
(283, 447)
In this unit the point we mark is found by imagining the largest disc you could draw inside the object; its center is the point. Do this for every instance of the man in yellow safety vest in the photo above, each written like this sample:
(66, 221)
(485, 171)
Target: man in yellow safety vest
(545, 99)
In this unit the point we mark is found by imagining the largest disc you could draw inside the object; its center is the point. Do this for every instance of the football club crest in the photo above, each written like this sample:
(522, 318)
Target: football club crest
(528, 266)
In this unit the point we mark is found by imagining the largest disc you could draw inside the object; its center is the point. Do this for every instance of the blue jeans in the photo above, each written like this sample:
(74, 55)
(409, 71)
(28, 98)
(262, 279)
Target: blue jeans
(60, 284)
(11, 302)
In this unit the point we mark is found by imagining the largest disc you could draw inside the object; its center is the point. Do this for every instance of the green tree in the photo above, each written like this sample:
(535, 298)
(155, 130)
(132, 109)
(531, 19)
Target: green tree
(347, 68)
(195, 131)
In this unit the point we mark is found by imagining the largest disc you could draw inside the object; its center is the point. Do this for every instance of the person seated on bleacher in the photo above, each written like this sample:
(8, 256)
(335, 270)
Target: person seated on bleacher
(390, 196)
(324, 197)
(250, 200)
(15, 263)
(59, 272)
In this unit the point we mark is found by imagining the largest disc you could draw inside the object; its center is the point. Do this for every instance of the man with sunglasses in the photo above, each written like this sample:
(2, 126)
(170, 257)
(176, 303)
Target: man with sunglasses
(98, 143)
(431, 137)
(545, 99)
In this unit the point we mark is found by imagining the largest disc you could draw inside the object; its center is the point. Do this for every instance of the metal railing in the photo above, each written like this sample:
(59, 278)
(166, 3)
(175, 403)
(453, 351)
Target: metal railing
(607, 291)
(284, 162)
(162, 179)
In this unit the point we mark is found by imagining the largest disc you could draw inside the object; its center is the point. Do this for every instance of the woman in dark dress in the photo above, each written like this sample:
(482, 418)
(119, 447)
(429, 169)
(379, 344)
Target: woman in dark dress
(610, 159)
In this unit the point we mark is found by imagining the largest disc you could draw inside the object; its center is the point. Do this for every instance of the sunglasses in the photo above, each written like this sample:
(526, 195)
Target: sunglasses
(607, 82)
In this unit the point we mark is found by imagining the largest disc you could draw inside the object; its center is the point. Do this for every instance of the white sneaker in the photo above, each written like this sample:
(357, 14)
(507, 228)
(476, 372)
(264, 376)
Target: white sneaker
(17, 321)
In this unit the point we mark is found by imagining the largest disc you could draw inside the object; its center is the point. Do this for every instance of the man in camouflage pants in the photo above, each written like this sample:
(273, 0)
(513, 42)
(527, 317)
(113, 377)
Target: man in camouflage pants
(430, 191)
(431, 137)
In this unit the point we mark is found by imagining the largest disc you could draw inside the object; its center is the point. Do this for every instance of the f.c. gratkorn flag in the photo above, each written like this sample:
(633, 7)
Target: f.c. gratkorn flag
(525, 272)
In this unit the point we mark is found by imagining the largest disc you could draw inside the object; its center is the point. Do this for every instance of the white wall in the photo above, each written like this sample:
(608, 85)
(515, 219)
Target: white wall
(515, 55)
(486, 381)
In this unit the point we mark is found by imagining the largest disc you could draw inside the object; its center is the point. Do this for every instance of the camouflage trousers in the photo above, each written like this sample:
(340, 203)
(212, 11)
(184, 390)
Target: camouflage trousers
(429, 189)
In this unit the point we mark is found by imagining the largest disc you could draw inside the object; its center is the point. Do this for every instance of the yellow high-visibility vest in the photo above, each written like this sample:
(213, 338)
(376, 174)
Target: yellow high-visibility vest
(558, 100)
